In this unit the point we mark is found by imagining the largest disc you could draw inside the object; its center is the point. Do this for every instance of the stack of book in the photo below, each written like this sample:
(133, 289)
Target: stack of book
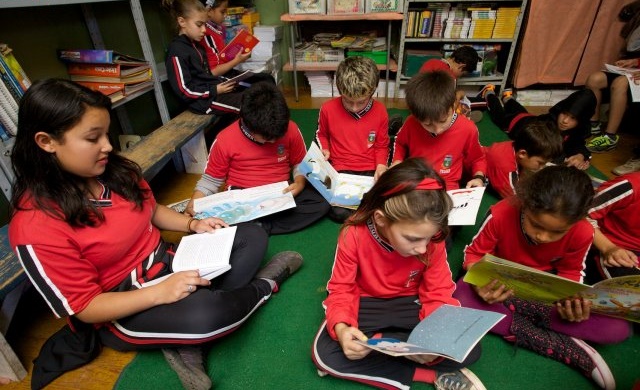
(265, 56)
(13, 84)
(115, 75)
(483, 19)
(322, 84)
(506, 20)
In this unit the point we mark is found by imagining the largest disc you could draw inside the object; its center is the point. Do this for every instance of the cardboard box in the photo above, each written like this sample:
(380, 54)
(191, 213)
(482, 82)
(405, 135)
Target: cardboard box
(307, 6)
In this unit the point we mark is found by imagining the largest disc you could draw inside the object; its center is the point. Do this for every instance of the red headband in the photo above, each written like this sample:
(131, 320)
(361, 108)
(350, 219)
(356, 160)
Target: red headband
(426, 184)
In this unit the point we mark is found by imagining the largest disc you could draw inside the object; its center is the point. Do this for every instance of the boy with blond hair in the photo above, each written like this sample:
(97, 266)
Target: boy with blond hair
(352, 128)
(435, 132)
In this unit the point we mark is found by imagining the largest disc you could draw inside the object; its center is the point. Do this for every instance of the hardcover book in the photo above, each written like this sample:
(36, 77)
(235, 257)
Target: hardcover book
(130, 79)
(105, 70)
(98, 56)
(241, 43)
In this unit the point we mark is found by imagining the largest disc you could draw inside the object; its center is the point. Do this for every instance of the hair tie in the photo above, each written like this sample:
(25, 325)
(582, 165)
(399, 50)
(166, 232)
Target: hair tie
(427, 183)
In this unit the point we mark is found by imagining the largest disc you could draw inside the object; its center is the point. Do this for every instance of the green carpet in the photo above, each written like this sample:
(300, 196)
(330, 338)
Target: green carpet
(273, 349)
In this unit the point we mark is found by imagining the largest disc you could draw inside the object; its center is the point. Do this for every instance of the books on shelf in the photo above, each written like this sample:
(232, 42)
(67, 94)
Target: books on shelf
(617, 297)
(450, 331)
(105, 70)
(13, 84)
(110, 89)
(134, 78)
(13, 67)
(241, 43)
(237, 206)
(339, 189)
(466, 203)
(98, 56)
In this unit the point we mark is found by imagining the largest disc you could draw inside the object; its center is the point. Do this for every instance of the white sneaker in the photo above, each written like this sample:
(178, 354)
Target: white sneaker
(632, 165)
(462, 379)
(601, 374)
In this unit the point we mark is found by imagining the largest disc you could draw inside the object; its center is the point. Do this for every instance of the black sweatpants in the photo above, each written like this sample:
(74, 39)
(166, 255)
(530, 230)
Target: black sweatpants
(500, 114)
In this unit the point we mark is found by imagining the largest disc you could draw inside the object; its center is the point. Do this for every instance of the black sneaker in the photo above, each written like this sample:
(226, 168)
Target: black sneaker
(395, 123)
(280, 267)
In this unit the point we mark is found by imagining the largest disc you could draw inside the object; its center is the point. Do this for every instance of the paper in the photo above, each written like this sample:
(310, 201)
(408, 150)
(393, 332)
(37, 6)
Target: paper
(449, 331)
(634, 86)
(339, 189)
(237, 206)
(242, 76)
(466, 203)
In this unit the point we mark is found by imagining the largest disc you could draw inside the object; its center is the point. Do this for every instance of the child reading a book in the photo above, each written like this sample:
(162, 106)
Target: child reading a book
(570, 116)
(352, 128)
(214, 42)
(72, 197)
(390, 271)
(509, 161)
(263, 147)
(544, 227)
(617, 231)
(447, 141)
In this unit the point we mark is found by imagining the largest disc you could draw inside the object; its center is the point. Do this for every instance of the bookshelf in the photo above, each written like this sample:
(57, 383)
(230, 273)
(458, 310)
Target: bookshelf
(6, 173)
(293, 19)
(507, 45)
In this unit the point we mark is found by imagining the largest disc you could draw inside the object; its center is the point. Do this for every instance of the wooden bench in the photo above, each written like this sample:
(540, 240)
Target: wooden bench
(154, 151)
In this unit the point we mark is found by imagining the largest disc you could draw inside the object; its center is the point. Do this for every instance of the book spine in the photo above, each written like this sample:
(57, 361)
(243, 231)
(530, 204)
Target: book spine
(4, 134)
(7, 122)
(109, 70)
(10, 80)
(18, 73)
(105, 88)
(8, 99)
(87, 56)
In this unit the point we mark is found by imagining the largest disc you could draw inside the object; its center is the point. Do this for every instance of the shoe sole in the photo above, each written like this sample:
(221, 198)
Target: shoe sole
(477, 383)
(601, 150)
(606, 377)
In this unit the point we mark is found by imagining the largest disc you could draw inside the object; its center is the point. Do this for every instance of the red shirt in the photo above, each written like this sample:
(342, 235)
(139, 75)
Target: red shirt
(502, 235)
(367, 266)
(449, 153)
(71, 266)
(213, 43)
(502, 168)
(356, 143)
(617, 210)
(245, 163)
(437, 64)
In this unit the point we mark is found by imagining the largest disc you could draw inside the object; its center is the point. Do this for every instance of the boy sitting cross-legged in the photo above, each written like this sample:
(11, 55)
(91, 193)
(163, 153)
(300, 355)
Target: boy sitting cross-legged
(262, 147)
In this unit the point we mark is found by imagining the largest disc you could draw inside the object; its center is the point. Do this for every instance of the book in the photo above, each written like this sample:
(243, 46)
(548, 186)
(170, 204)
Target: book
(208, 253)
(450, 331)
(339, 189)
(130, 79)
(241, 43)
(616, 297)
(235, 206)
(10, 80)
(243, 76)
(14, 67)
(466, 203)
(98, 56)
(105, 70)
(111, 89)
(634, 86)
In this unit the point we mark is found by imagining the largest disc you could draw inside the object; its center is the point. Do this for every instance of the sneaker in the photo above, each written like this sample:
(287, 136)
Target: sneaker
(632, 165)
(395, 123)
(458, 380)
(596, 127)
(507, 93)
(280, 267)
(601, 373)
(191, 371)
(485, 90)
(602, 143)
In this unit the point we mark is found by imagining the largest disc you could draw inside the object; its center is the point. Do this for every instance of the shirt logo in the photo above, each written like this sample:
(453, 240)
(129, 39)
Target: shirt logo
(280, 150)
(371, 138)
(446, 163)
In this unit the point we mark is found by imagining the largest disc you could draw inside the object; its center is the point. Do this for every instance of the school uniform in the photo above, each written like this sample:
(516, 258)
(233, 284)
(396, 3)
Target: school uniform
(71, 266)
(435, 64)
(502, 168)
(452, 153)
(213, 43)
(375, 289)
(237, 158)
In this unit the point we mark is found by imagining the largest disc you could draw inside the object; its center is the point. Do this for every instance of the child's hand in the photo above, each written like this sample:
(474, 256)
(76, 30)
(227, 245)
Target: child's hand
(574, 309)
(619, 257)
(225, 87)
(188, 210)
(296, 187)
(208, 225)
(241, 57)
(380, 169)
(578, 161)
(178, 286)
(346, 335)
(630, 63)
(326, 153)
(494, 292)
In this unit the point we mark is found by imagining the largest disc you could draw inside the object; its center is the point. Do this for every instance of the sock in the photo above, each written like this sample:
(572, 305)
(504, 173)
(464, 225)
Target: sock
(272, 283)
(424, 375)
(611, 136)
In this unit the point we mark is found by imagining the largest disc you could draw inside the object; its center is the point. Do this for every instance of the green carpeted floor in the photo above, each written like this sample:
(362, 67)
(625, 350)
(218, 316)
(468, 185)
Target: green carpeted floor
(272, 350)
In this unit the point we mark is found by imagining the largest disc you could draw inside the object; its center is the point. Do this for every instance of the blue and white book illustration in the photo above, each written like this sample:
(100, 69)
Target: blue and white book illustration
(339, 189)
(235, 206)
(450, 331)
(466, 203)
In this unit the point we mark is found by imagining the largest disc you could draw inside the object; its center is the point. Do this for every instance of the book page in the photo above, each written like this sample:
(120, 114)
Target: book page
(617, 297)
(466, 203)
(237, 206)
(205, 252)
(319, 173)
(349, 190)
(634, 86)
(242, 76)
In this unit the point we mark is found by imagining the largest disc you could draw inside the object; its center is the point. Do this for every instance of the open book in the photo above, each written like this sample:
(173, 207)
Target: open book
(339, 189)
(208, 253)
(617, 297)
(634, 86)
(449, 331)
(466, 203)
(237, 206)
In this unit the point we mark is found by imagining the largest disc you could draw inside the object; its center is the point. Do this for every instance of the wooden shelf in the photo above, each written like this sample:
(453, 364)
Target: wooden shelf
(331, 66)
(320, 18)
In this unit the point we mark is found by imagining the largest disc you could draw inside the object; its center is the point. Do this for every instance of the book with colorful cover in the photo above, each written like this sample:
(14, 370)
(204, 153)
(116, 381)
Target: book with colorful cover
(10, 81)
(111, 88)
(14, 67)
(616, 297)
(450, 331)
(339, 189)
(241, 43)
(98, 56)
(134, 78)
(105, 70)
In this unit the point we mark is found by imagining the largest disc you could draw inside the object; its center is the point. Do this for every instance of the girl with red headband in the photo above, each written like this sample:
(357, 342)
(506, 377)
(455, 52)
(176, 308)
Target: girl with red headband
(390, 272)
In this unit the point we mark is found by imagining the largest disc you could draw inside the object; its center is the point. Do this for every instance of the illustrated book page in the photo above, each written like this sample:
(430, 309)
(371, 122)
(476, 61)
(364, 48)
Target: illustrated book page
(339, 189)
(450, 331)
(634, 86)
(237, 206)
(466, 203)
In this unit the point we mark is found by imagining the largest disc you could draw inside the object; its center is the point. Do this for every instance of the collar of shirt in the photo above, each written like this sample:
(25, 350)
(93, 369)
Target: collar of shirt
(362, 112)
(530, 240)
(247, 133)
(374, 233)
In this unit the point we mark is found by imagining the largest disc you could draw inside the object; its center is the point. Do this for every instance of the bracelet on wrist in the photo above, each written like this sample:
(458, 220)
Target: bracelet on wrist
(189, 230)
(481, 177)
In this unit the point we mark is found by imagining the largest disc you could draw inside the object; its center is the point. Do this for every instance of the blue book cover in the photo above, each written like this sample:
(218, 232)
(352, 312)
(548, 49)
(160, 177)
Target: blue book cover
(10, 80)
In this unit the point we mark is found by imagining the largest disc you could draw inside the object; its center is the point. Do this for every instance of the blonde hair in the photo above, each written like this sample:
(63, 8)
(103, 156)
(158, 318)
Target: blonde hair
(182, 8)
(357, 77)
